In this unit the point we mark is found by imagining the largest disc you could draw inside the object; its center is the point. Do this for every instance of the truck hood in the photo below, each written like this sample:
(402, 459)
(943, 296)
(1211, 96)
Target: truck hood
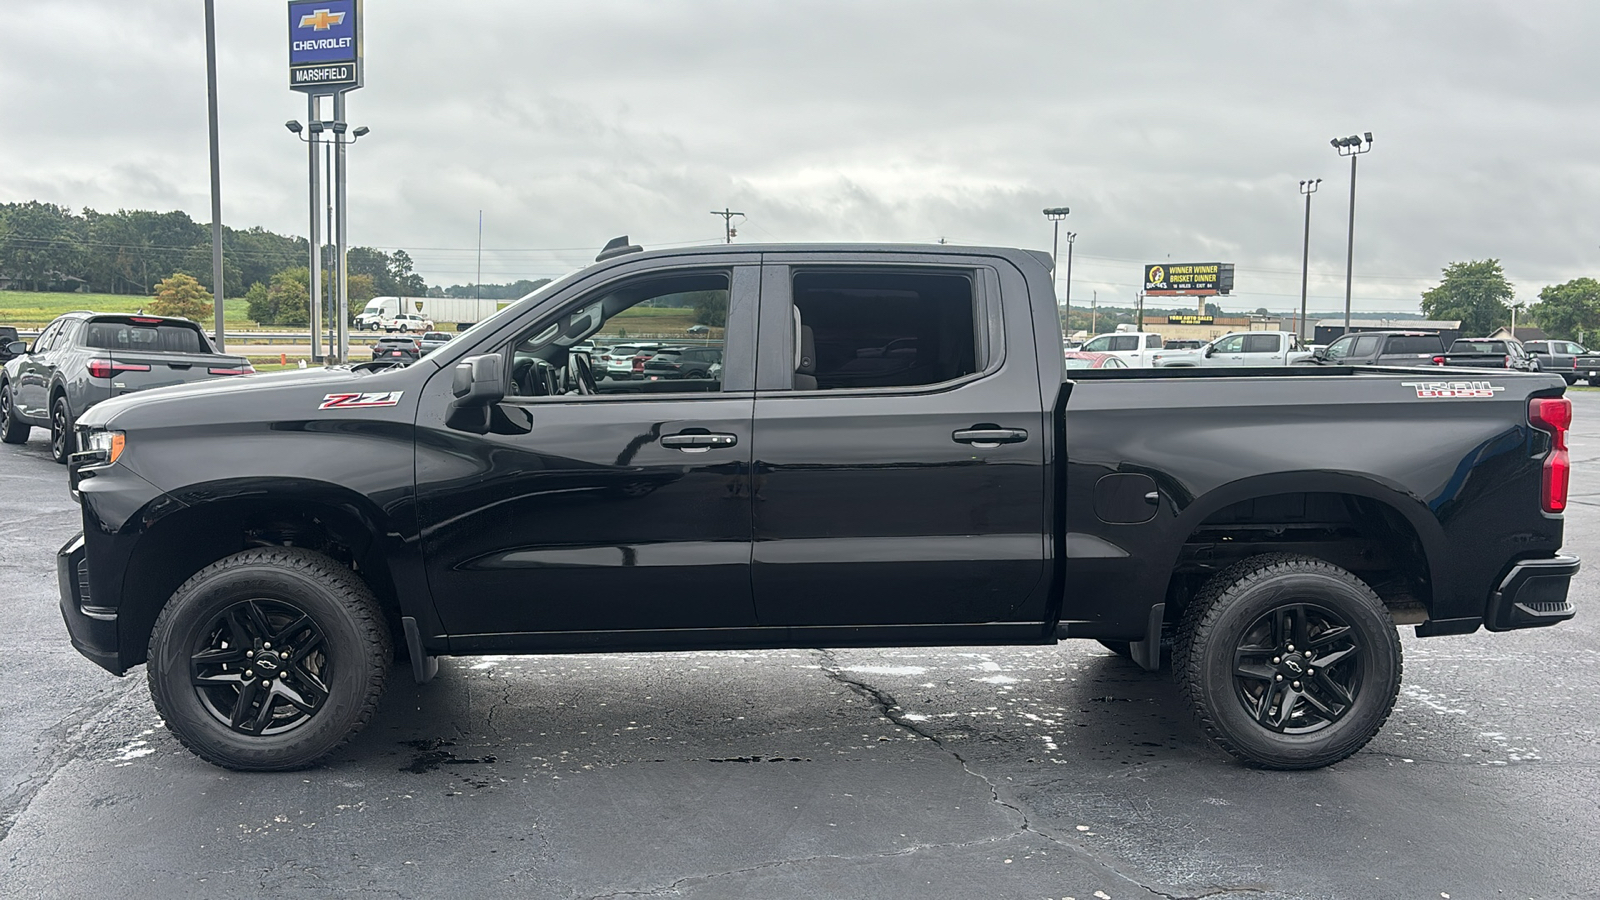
(230, 398)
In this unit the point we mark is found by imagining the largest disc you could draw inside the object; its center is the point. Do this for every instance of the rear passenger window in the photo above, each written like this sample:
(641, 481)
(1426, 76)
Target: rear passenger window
(1417, 345)
(1261, 343)
(883, 329)
(1366, 345)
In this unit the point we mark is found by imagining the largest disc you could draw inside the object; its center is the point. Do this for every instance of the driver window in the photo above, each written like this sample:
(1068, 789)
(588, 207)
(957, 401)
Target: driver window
(1340, 348)
(657, 335)
(1231, 344)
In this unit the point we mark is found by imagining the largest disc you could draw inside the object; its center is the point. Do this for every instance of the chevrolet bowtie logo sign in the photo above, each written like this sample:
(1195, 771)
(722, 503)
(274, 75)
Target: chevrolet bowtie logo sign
(322, 20)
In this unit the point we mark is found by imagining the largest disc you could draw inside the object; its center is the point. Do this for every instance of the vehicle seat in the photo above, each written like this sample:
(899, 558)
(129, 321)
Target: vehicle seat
(805, 370)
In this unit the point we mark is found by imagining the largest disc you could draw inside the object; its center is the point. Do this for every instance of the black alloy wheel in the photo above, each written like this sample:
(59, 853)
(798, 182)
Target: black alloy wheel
(269, 659)
(12, 429)
(62, 444)
(261, 667)
(1297, 668)
(1289, 661)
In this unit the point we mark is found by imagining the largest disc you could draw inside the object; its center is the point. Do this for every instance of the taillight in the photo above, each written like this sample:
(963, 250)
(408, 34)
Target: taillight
(144, 320)
(1553, 415)
(105, 368)
(1438, 360)
(638, 363)
(1508, 362)
(245, 369)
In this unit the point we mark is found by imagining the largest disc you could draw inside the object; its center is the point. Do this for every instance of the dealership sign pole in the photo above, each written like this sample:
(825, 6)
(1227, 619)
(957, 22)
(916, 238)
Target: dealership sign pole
(325, 60)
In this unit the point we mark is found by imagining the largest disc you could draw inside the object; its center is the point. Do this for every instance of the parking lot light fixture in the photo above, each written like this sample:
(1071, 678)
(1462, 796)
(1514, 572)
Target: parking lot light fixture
(1307, 187)
(1352, 146)
(293, 125)
(1055, 214)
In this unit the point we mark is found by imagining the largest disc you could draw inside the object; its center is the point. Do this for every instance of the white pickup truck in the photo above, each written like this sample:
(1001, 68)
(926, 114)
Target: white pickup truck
(1241, 348)
(1135, 348)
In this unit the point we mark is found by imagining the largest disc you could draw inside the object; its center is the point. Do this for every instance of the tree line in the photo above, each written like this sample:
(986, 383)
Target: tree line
(1478, 293)
(46, 247)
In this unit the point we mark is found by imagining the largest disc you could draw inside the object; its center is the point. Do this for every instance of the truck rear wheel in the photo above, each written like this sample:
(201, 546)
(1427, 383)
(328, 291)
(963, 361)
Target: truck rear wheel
(1290, 662)
(269, 659)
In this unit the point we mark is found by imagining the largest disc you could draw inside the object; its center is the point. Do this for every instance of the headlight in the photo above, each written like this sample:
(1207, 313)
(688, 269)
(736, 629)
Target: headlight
(108, 444)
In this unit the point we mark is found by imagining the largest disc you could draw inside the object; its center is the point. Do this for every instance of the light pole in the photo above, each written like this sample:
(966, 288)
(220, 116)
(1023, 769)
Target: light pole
(1352, 146)
(1307, 187)
(339, 328)
(1071, 237)
(1055, 214)
(216, 172)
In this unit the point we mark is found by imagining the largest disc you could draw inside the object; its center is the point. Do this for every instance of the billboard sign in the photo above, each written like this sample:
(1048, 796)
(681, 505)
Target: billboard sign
(324, 45)
(1188, 279)
(1191, 320)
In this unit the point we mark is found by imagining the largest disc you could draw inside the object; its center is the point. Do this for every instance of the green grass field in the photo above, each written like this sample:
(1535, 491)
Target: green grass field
(29, 309)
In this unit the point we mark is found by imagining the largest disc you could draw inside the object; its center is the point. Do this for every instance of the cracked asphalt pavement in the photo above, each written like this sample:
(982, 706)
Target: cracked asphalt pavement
(1028, 772)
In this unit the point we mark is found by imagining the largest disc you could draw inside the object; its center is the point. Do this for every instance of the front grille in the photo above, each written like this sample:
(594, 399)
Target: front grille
(83, 582)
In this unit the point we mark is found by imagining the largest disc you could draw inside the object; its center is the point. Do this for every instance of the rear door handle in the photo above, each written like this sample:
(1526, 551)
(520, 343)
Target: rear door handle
(698, 442)
(989, 437)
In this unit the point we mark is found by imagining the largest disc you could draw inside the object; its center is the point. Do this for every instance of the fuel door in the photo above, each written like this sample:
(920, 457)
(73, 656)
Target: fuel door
(1126, 498)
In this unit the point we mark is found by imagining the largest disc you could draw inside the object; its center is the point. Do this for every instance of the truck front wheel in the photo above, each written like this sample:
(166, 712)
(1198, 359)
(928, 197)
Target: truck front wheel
(269, 659)
(1290, 662)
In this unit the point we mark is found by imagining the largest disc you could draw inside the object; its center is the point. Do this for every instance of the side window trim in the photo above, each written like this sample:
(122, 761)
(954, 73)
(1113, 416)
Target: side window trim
(778, 338)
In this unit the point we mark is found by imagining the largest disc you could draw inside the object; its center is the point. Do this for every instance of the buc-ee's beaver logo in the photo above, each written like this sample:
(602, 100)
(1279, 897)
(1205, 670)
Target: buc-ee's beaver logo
(1157, 275)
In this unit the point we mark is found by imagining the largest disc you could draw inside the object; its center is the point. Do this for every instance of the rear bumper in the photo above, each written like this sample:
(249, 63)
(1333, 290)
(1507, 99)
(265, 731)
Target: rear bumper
(93, 629)
(1533, 594)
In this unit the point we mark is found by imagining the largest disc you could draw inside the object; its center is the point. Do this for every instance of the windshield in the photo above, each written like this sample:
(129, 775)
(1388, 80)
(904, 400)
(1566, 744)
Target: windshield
(374, 306)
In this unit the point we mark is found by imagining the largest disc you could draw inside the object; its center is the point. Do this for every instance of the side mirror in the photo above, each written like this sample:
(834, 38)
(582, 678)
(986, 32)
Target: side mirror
(1320, 353)
(479, 381)
(1210, 349)
(17, 348)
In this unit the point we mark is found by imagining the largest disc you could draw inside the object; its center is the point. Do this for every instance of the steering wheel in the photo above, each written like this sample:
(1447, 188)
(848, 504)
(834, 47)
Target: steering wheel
(582, 373)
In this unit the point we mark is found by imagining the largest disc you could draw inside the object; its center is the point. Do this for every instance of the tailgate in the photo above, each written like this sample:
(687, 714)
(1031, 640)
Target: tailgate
(134, 371)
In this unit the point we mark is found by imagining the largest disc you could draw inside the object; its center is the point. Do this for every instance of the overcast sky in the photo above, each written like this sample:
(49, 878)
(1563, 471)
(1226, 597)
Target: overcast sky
(1173, 131)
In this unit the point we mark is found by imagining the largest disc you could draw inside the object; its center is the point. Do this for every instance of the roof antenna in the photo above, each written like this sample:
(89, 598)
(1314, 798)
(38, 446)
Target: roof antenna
(617, 246)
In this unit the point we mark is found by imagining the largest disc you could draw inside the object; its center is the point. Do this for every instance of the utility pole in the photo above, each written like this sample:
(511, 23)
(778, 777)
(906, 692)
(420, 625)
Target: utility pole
(728, 231)
(1094, 304)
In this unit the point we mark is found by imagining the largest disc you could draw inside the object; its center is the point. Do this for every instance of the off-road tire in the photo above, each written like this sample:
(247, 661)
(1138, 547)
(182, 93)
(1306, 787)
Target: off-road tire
(354, 637)
(63, 442)
(12, 429)
(1210, 651)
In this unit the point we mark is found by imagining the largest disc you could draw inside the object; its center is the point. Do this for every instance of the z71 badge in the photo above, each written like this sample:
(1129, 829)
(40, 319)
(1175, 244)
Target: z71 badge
(361, 401)
(1429, 390)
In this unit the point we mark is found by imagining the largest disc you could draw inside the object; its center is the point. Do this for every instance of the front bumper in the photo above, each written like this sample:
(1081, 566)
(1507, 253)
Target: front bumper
(93, 629)
(1533, 594)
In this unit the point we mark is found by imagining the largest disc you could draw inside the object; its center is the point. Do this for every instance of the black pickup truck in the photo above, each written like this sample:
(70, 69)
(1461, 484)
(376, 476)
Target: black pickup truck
(891, 454)
(1489, 353)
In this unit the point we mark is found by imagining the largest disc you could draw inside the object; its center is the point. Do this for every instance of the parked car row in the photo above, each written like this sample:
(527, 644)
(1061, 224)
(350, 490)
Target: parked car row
(648, 361)
(1142, 349)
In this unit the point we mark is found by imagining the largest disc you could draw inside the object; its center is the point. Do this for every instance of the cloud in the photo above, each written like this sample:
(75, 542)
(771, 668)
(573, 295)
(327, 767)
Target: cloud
(1170, 130)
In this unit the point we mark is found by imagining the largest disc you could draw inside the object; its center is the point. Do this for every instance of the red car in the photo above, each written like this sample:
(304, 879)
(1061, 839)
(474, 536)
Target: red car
(1079, 360)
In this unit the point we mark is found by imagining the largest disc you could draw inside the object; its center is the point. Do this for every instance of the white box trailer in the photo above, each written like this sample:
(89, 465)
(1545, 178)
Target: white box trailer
(463, 312)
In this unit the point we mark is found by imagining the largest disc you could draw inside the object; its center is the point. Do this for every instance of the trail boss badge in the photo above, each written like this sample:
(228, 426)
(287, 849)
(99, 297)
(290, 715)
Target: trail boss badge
(1445, 390)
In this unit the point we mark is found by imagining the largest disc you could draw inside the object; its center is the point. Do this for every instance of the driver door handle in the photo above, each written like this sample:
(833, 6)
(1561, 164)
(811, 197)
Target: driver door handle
(698, 442)
(989, 437)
